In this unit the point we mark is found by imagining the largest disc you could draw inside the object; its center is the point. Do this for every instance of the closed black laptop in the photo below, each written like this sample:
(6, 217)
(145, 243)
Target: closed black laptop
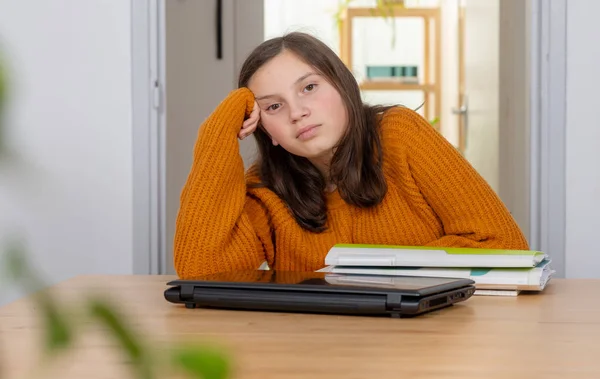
(315, 292)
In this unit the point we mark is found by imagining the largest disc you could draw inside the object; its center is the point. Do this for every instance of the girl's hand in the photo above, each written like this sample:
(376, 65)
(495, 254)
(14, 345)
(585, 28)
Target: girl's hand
(251, 123)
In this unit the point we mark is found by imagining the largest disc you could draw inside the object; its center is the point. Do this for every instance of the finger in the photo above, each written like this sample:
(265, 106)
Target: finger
(248, 123)
(244, 135)
(252, 120)
(249, 120)
(255, 111)
(249, 129)
(254, 116)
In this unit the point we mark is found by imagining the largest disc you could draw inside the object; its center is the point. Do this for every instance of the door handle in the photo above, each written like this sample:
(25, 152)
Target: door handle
(219, 27)
(463, 111)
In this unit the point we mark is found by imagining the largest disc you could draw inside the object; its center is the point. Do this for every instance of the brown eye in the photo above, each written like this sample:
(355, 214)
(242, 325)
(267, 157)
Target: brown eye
(273, 107)
(310, 87)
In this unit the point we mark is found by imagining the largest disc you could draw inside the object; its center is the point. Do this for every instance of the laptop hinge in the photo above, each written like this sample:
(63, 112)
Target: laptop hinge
(186, 292)
(394, 302)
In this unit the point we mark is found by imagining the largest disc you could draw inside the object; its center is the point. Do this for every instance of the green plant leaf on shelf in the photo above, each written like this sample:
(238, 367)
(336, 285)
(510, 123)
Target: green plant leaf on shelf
(388, 11)
(201, 362)
(385, 7)
(338, 14)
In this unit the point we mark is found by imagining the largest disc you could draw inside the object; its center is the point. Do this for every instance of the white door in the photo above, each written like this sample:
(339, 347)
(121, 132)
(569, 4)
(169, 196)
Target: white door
(196, 79)
(494, 104)
(479, 100)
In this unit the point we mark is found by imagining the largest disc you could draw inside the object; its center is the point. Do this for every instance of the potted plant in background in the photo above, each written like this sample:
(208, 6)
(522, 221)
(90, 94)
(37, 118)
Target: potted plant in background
(61, 329)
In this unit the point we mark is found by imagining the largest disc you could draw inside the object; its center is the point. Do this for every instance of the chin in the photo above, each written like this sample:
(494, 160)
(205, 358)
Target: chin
(318, 154)
(313, 149)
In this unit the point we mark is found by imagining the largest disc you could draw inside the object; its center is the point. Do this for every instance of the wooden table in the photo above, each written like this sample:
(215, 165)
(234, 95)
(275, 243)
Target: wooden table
(555, 334)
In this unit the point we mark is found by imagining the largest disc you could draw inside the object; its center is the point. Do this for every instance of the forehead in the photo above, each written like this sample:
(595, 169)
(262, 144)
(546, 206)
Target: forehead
(281, 71)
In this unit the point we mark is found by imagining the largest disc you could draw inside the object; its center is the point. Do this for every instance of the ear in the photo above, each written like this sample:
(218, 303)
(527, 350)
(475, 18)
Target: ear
(275, 143)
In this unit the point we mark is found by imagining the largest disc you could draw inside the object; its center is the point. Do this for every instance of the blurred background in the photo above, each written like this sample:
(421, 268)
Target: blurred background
(104, 99)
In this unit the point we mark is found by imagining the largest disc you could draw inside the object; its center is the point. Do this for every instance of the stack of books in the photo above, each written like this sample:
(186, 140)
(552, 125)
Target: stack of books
(495, 272)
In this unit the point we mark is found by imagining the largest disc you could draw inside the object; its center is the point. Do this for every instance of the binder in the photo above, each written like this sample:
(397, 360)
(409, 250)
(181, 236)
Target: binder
(419, 256)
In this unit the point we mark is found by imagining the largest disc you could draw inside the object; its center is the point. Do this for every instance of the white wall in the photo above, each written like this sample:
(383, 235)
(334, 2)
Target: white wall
(582, 139)
(69, 189)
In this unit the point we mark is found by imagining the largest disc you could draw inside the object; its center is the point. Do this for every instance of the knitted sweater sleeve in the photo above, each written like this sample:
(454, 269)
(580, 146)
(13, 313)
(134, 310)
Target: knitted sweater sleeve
(214, 230)
(471, 213)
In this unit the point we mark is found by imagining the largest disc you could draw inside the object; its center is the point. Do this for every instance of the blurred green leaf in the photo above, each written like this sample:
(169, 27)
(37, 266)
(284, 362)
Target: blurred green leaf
(16, 262)
(105, 313)
(3, 91)
(202, 362)
(20, 271)
(338, 14)
(59, 335)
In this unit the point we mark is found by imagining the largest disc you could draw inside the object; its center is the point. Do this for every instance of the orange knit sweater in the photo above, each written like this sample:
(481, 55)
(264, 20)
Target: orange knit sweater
(434, 198)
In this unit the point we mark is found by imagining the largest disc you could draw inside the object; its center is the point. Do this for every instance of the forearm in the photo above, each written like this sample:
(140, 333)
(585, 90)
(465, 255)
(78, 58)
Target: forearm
(212, 232)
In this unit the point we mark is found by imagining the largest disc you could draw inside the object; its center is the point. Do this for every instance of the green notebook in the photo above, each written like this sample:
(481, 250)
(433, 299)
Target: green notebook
(420, 256)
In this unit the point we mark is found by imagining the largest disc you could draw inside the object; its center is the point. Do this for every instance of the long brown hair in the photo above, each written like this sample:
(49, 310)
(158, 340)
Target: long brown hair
(356, 166)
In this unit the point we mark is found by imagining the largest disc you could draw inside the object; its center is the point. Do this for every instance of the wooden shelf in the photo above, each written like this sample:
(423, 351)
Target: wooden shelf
(391, 85)
(432, 51)
(396, 11)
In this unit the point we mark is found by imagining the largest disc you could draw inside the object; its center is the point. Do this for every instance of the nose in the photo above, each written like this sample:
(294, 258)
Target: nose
(298, 110)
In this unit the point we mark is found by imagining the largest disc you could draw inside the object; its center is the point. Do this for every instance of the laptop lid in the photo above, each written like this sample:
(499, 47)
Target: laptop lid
(318, 292)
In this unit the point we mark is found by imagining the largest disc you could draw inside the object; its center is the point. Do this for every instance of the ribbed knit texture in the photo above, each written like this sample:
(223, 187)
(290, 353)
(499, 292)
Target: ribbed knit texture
(434, 198)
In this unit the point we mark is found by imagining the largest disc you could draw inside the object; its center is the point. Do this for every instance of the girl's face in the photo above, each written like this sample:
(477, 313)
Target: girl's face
(299, 108)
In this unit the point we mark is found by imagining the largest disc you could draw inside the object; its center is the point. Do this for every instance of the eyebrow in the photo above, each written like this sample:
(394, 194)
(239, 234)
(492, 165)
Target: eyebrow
(296, 82)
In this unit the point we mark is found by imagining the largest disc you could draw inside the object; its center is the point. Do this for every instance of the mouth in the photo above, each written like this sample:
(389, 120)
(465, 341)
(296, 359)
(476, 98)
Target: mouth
(307, 132)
